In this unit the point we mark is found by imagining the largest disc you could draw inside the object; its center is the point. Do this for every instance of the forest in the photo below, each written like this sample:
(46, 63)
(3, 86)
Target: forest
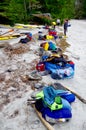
(21, 11)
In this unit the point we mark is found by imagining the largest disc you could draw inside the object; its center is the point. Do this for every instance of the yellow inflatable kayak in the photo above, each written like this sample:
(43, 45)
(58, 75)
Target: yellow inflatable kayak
(18, 26)
(23, 26)
(8, 37)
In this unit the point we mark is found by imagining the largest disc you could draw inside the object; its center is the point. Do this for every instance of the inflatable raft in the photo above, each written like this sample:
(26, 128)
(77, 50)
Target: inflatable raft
(9, 37)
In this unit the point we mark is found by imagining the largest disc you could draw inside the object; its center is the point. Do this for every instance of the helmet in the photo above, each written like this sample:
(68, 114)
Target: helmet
(54, 23)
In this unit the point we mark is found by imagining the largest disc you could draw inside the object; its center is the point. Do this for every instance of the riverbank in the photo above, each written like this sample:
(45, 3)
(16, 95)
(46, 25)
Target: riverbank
(14, 91)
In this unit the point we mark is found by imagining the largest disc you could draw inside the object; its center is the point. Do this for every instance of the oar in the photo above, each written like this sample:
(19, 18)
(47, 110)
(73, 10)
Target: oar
(46, 124)
(77, 95)
(11, 30)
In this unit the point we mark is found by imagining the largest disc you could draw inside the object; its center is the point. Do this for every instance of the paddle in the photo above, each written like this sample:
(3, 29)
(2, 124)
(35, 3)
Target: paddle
(77, 95)
(55, 85)
(11, 30)
(46, 124)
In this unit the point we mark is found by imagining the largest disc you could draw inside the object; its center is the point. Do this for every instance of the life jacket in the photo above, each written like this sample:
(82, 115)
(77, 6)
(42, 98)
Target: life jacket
(48, 37)
(46, 46)
(55, 99)
(29, 35)
(24, 40)
(52, 46)
(52, 32)
(47, 58)
(56, 105)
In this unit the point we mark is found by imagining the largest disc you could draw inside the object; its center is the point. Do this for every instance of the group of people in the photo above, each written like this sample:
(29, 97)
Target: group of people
(65, 25)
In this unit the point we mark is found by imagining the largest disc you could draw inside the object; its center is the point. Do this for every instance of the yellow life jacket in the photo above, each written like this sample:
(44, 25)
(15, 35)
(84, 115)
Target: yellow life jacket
(48, 37)
(46, 46)
(52, 57)
(55, 55)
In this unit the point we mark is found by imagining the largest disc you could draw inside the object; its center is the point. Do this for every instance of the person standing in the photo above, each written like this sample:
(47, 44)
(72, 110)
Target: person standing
(54, 25)
(65, 26)
(58, 22)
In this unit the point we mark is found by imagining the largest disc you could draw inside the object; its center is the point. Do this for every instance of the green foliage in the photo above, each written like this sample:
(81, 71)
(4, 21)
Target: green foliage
(79, 10)
(21, 10)
(16, 11)
(84, 8)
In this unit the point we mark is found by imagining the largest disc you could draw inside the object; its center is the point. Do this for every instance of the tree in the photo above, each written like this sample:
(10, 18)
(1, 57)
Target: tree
(84, 8)
(16, 11)
(3, 7)
(21, 10)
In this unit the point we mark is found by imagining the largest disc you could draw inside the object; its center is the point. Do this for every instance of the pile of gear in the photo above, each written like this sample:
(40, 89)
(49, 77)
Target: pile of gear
(54, 104)
(52, 34)
(55, 63)
(27, 38)
(58, 67)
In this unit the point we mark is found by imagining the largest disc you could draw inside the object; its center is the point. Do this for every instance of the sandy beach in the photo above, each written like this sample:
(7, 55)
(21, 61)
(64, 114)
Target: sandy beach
(15, 114)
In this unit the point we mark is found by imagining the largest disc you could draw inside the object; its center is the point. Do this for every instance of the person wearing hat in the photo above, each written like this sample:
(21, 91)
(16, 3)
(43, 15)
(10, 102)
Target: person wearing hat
(58, 22)
(54, 24)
